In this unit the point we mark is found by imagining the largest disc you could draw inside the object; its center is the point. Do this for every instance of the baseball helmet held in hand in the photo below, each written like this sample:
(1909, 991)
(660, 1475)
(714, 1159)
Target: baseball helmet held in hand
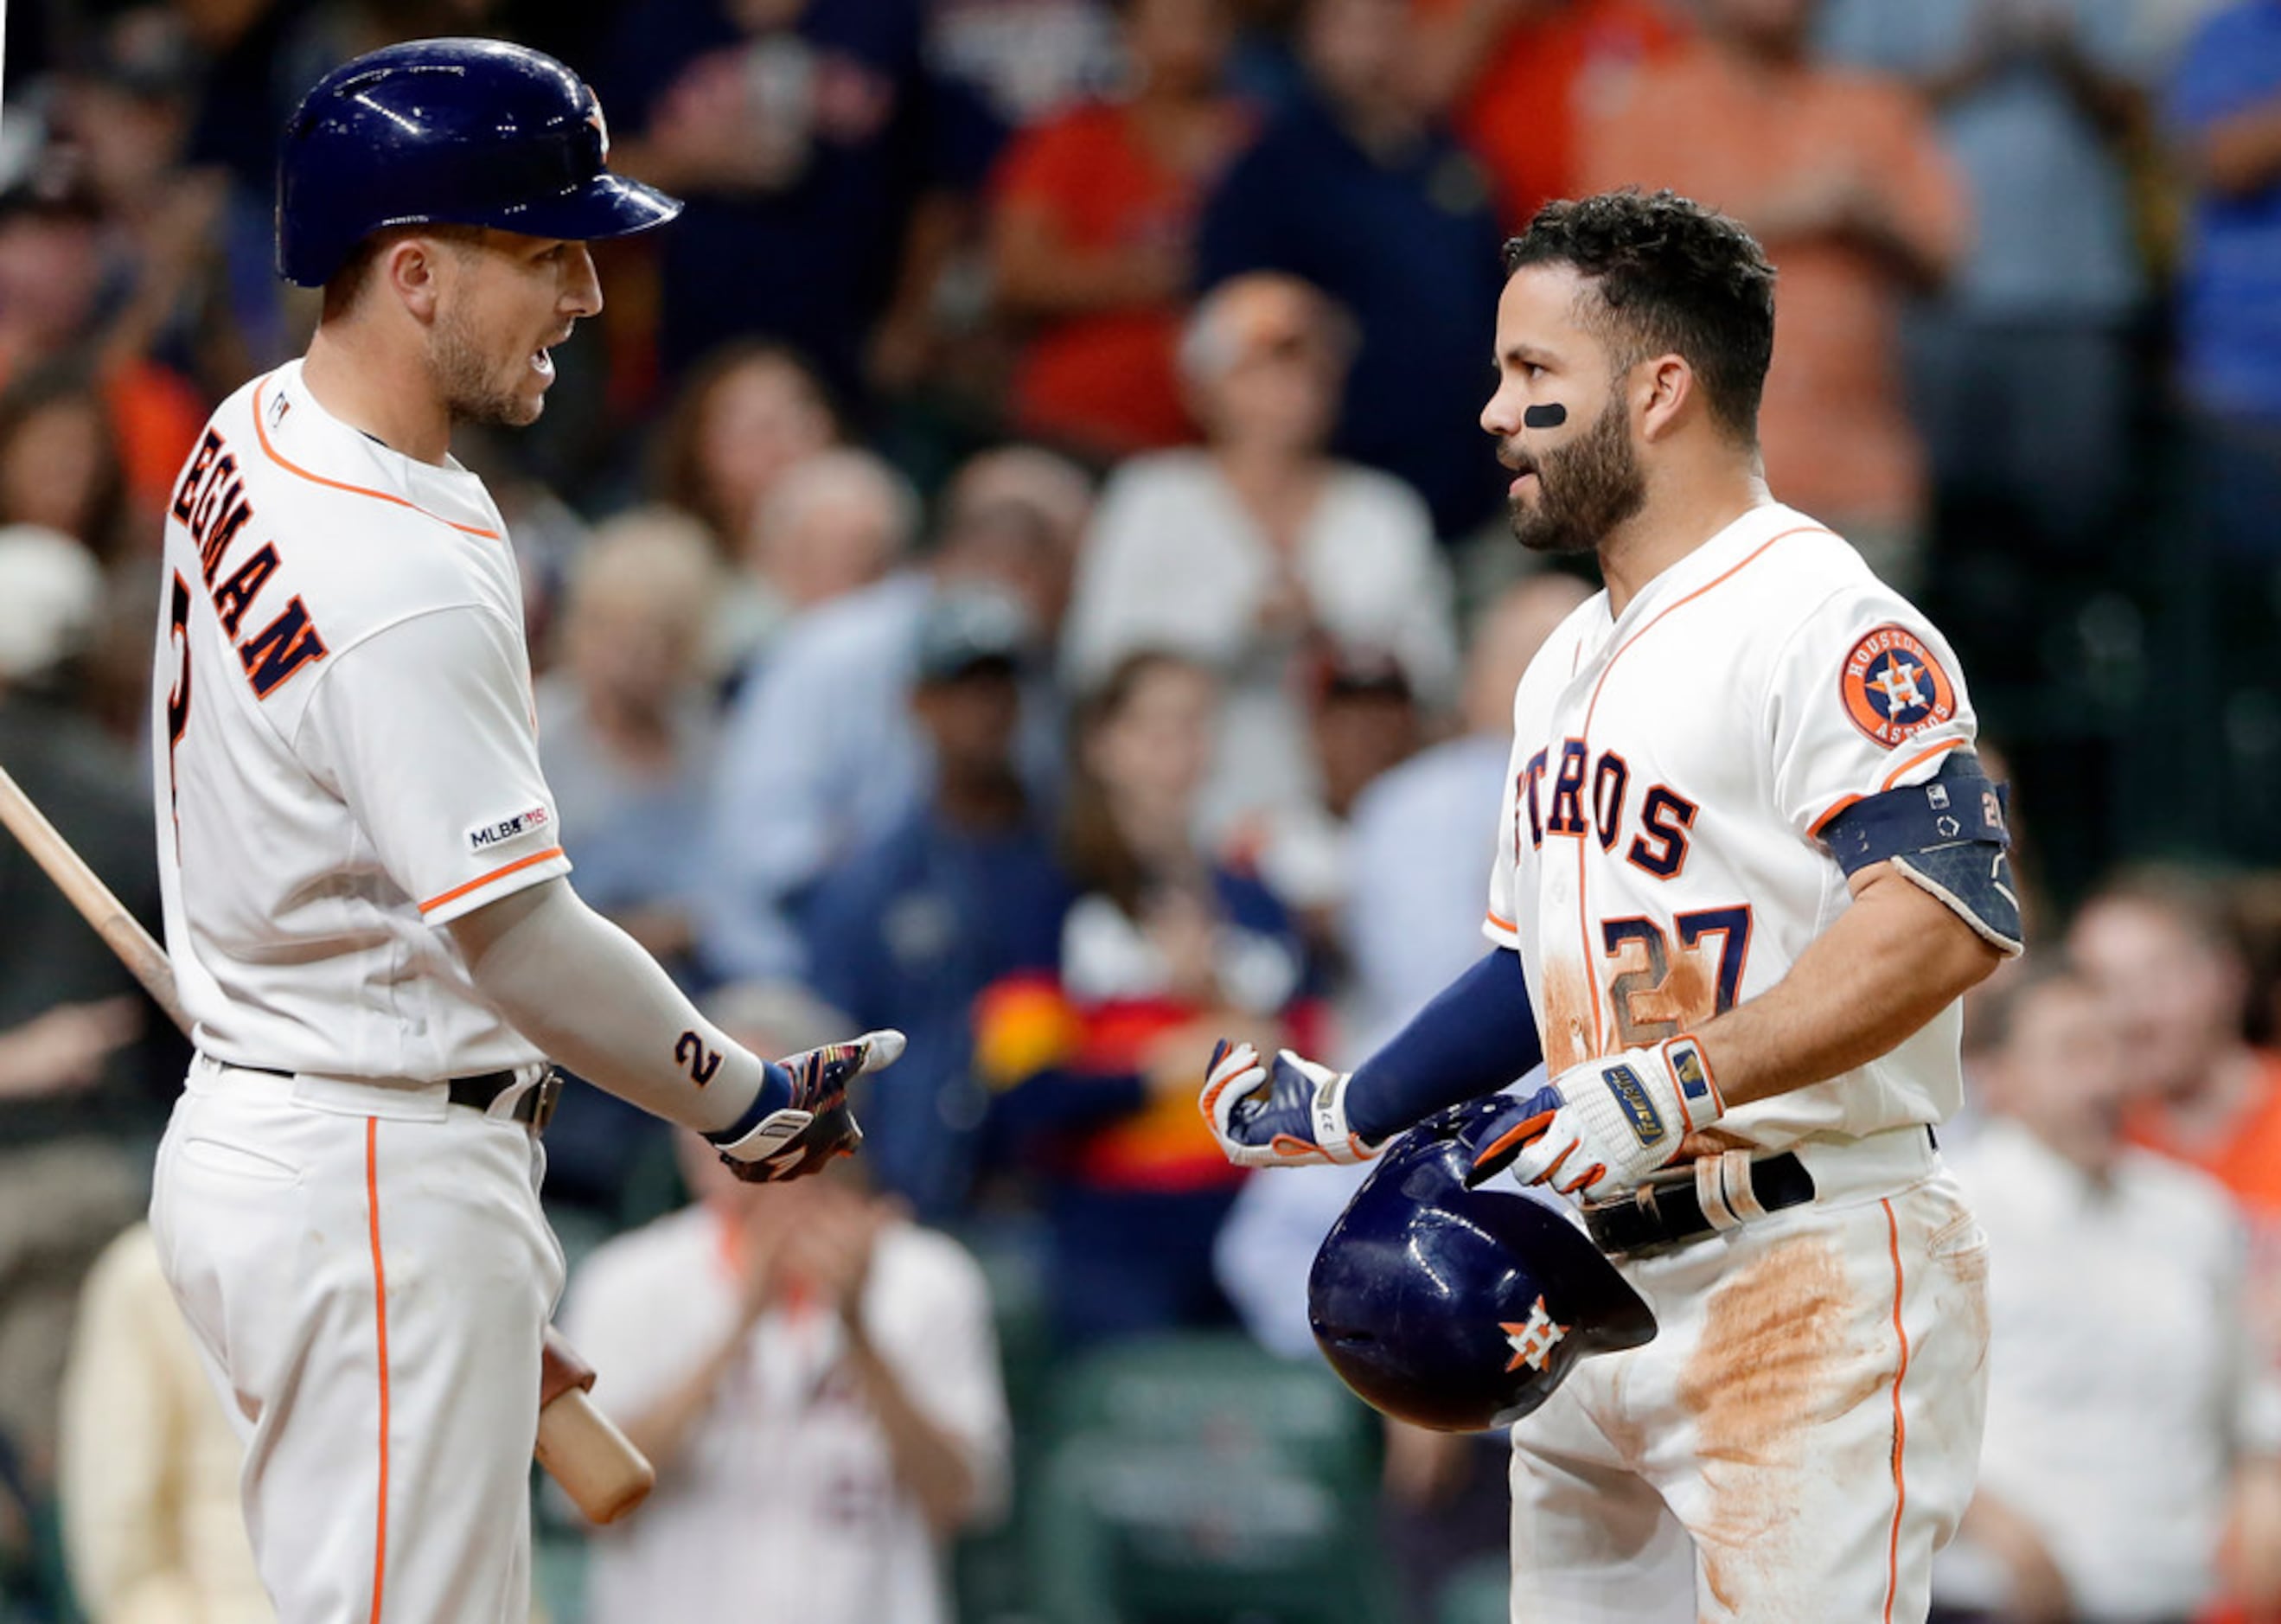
(1461, 1310)
(449, 132)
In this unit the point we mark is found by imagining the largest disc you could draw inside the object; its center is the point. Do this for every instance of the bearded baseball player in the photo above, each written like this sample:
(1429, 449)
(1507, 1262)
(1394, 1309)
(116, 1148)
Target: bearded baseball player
(1749, 863)
(364, 890)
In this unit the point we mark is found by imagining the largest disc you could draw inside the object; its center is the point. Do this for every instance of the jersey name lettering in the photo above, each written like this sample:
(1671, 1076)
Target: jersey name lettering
(1665, 814)
(211, 504)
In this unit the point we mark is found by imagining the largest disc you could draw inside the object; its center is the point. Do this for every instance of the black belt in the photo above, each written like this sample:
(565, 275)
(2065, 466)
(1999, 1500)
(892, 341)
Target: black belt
(535, 1108)
(1658, 1216)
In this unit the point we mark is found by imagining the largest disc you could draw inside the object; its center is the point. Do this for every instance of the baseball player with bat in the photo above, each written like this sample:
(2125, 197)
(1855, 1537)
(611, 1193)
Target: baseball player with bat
(1748, 865)
(364, 882)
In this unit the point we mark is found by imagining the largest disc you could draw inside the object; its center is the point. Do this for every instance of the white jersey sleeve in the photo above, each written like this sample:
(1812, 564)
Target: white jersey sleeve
(1864, 696)
(424, 731)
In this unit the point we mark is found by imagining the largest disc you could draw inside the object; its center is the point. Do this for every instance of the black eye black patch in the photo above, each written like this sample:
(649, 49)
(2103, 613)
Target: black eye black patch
(1544, 417)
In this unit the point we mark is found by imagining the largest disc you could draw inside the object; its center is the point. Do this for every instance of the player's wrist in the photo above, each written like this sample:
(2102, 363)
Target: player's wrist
(762, 1125)
(1334, 1128)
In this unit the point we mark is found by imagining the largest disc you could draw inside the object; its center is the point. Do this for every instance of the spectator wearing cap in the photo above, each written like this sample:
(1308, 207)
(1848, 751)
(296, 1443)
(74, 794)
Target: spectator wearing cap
(822, 752)
(1092, 234)
(80, 1101)
(2129, 1421)
(1260, 550)
(1357, 190)
(965, 888)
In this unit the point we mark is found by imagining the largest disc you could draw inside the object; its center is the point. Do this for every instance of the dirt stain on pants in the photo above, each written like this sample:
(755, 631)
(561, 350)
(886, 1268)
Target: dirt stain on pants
(1777, 1358)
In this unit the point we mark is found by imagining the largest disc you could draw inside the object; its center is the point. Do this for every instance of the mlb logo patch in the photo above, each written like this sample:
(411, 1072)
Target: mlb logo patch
(483, 837)
(1632, 1099)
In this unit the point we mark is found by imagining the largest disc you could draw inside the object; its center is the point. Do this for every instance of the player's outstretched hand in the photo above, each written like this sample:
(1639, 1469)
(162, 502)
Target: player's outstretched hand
(1599, 1128)
(1285, 1115)
(812, 1124)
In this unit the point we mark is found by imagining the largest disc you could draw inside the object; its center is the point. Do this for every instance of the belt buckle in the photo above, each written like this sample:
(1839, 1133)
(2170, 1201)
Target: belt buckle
(546, 1093)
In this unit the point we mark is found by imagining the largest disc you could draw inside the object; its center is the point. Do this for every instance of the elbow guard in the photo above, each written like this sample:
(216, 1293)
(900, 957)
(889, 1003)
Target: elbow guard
(1948, 837)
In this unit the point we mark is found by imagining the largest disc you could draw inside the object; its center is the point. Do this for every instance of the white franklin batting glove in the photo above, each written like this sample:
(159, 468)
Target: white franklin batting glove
(1601, 1127)
(1287, 1115)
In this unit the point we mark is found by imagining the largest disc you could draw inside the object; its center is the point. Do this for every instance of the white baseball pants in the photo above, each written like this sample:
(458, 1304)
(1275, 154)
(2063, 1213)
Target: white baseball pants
(1801, 1435)
(367, 1271)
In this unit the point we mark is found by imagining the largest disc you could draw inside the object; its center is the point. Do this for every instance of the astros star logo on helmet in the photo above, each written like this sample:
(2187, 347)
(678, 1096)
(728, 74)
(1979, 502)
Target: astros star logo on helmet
(1532, 1339)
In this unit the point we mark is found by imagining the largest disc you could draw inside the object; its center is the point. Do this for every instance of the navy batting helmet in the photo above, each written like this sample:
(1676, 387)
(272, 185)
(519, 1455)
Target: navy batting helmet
(1460, 1309)
(449, 132)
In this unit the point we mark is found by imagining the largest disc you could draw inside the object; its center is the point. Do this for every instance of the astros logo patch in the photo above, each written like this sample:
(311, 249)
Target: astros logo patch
(1892, 686)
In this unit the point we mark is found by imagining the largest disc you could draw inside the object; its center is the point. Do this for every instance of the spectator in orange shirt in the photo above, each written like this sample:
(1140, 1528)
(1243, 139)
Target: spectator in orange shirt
(1843, 177)
(1517, 78)
(1092, 232)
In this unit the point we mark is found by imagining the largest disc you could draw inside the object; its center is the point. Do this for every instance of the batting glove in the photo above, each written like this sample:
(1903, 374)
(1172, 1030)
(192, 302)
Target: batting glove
(1285, 1116)
(1602, 1128)
(800, 1119)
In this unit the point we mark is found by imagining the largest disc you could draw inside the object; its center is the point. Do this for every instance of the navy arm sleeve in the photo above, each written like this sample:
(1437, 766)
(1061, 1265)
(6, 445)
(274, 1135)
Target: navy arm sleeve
(1476, 1036)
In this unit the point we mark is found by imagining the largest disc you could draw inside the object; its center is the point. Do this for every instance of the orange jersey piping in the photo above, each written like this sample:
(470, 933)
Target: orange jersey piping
(1900, 1425)
(291, 466)
(480, 881)
(380, 1332)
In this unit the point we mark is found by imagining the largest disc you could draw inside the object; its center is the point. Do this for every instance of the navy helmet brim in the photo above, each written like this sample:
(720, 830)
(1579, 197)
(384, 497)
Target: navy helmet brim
(609, 206)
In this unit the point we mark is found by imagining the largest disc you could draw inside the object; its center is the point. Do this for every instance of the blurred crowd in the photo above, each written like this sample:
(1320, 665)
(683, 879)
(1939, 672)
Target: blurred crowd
(1016, 562)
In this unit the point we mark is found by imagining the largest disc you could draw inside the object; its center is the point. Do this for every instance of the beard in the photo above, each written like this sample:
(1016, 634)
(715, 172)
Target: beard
(1584, 490)
(467, 382)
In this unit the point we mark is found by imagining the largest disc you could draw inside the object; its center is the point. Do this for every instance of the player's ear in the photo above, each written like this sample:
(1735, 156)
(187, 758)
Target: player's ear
(1662, 389)
(411, 268)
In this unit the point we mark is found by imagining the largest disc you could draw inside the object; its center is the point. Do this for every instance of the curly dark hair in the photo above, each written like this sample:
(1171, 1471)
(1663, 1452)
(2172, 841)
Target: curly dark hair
(1674, 277)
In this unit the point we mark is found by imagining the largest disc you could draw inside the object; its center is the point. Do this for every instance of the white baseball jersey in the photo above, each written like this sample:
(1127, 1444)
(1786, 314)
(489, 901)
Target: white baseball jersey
(345, 753)
(1657, 862)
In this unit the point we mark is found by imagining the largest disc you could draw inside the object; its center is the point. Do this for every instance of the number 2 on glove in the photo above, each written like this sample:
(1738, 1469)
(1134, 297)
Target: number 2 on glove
(1601, 1127)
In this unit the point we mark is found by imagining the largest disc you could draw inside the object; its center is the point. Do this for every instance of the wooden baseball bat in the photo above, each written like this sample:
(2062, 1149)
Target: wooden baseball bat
(603, 1474)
